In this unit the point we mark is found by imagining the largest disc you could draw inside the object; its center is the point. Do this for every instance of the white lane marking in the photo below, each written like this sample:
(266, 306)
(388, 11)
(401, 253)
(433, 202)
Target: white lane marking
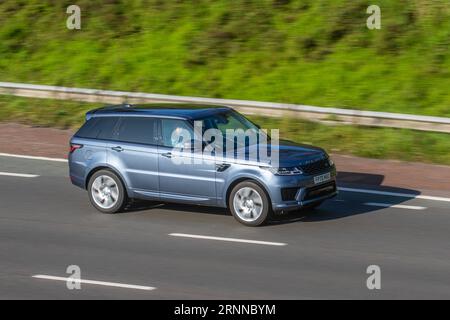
(391, 205)
(394, 194)
(195, 236)
(21, 175)
(93, 282)
(31, 157)
(339, 200)
(405, 195)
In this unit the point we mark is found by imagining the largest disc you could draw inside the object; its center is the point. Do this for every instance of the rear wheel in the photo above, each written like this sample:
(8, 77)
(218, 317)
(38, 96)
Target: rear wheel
(249, 204)
(106, 192)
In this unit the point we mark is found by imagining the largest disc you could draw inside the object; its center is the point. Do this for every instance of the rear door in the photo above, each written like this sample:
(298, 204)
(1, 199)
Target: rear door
(134, 152)
(93, 136)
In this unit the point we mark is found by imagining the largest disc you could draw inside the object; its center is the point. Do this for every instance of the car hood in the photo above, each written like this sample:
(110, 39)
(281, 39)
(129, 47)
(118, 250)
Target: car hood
(290, 154)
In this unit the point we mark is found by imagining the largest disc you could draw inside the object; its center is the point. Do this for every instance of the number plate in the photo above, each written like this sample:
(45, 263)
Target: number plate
(322, 178)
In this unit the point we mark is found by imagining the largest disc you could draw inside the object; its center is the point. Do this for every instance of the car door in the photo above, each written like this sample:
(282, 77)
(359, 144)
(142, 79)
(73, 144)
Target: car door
(134, 152)
(92, 140)
(184, 176)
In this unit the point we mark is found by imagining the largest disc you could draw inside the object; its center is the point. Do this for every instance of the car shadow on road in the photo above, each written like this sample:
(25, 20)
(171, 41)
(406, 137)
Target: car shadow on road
(348, 204)
(345, 205)
(142, 205)
(360, 178)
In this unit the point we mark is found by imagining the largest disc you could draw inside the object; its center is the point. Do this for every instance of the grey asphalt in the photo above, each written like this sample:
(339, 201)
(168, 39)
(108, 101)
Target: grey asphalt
(46, 224)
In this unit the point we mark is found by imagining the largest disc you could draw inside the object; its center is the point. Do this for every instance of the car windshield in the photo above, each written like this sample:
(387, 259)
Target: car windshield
(232, 120)
(228, 120)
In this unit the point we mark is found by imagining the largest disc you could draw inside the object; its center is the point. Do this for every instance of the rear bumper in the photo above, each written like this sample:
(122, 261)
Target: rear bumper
(77, 171)
(77, 181)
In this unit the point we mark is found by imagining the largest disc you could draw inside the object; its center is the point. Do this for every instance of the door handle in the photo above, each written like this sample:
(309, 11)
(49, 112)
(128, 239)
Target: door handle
(167, 155)
(118, 149)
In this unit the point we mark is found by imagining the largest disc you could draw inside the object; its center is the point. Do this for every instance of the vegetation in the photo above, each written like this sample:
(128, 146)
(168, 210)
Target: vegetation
(297, 51)
(314, 52)
(370, 142)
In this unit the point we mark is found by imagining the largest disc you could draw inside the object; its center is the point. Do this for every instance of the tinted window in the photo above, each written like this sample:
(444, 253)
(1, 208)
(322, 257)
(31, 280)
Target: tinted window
(172, 132)
(137, 130)
(97, 128)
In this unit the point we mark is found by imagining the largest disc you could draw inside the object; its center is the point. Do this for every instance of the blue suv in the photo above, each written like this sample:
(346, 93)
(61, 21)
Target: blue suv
(129, 152)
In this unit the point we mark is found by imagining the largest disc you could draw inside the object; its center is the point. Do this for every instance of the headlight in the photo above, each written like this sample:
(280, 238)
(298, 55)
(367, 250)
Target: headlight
(330, 162)
(284, 171)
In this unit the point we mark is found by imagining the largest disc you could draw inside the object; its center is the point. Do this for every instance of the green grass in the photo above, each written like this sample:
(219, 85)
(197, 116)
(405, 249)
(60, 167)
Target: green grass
(296, 51)
(314, 52)
(381, 143)
(43, 112)
(368, 142)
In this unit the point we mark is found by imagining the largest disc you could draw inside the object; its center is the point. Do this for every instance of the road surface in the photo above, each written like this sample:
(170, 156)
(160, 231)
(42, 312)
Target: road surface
(178, 252)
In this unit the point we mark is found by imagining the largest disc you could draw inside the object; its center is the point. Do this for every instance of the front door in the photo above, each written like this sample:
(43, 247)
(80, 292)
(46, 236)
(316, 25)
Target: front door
(184, 176)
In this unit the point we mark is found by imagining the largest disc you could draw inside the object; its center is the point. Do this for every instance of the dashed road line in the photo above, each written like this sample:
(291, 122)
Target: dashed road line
(94, 282)
(32, 157)
(195, 236)
(391, 205)
(20, 175)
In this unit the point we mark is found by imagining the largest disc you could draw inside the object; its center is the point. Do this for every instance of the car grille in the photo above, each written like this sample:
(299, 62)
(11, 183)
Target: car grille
(315, 167)
(320, 191)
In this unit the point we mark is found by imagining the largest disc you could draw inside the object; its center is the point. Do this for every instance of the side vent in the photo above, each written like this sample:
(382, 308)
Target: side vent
(221, 167)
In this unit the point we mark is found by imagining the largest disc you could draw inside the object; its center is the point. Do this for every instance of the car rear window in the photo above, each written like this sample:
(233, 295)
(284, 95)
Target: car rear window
(137, 130)
(97, 128)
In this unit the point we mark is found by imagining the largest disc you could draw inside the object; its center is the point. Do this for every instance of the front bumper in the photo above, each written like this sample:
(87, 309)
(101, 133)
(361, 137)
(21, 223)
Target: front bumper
(303, 191)
(295, 205)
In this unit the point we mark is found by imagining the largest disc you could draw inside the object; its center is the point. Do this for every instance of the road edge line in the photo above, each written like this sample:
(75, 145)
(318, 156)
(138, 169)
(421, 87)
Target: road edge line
(394, 194)
(393, 205)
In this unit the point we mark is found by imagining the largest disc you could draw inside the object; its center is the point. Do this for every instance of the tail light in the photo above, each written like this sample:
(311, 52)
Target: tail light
(74, 146)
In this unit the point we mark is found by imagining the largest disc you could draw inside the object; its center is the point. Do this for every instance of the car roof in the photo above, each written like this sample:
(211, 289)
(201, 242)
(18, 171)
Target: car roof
(161, 110)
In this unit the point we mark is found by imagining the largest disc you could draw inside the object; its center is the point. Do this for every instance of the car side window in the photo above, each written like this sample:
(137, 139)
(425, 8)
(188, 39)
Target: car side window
(172, 131)
(137, 130)
(98, 128)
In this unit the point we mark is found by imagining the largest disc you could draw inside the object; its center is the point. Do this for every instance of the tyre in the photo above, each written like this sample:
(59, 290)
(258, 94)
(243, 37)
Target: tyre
(249, 204)
(107, 192)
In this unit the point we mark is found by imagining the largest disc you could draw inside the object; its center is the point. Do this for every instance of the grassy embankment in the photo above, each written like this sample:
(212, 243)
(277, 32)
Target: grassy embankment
(381, 143)
(295, 51)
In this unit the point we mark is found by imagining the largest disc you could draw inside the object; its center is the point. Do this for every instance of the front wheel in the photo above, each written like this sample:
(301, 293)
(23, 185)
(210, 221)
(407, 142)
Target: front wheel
(106, 192)
(249, 204)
